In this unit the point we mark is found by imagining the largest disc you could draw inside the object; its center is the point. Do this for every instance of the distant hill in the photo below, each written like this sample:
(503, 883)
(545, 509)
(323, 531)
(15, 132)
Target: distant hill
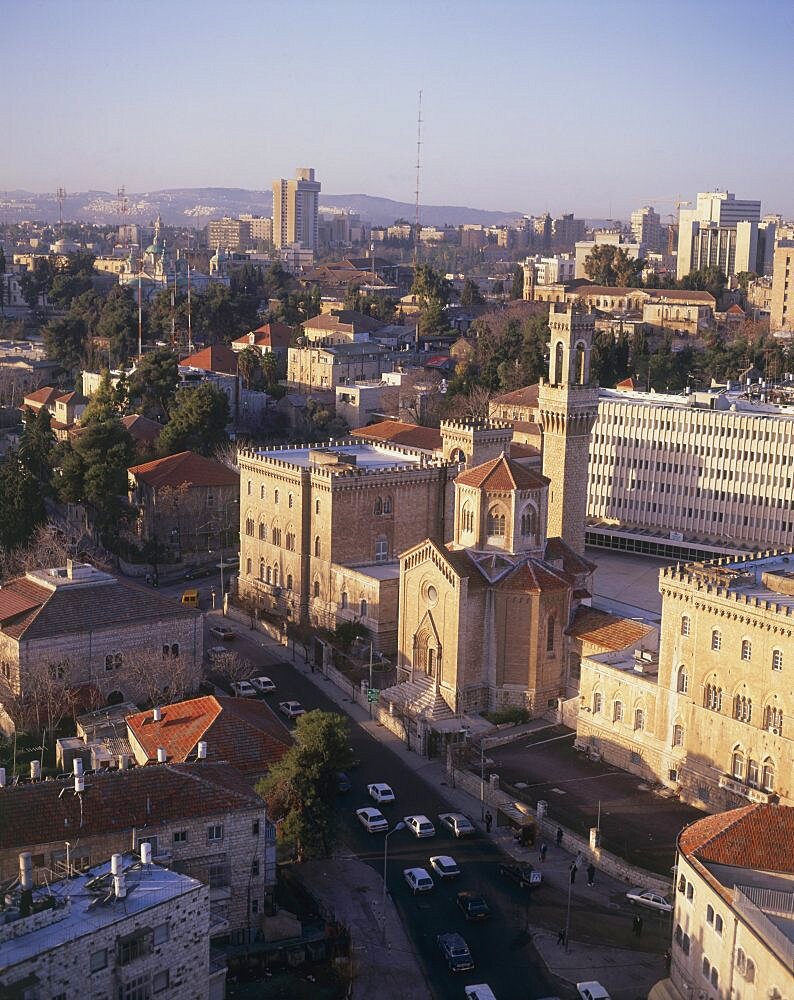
(196, 206)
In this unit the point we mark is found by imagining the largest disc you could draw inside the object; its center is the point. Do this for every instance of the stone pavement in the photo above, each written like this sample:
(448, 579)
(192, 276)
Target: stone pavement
(626, 973)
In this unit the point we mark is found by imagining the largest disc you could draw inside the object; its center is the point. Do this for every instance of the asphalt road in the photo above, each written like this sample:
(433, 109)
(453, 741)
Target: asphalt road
(501, 947)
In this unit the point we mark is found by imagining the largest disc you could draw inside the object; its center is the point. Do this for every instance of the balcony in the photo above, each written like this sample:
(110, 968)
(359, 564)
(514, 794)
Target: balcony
(739, 787)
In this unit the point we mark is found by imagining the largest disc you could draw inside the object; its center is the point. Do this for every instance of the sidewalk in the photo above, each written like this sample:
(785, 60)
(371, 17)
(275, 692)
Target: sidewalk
(625, 972)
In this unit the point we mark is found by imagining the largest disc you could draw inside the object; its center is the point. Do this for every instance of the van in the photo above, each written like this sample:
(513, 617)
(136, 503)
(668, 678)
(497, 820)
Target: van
(190, 598)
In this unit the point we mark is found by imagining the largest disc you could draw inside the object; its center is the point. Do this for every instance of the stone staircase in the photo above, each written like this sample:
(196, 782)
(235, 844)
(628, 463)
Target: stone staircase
(419, 698)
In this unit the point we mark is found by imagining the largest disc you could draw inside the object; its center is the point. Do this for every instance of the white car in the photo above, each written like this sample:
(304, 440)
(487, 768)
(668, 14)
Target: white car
(592, 991)
(420, 826)
(292, 709)
(444, 865)
(646, 897)
(460, 825)
(215, 651)
(243, 689)
(372, 819)
(380, 792)
(263, 685)
(418, 879)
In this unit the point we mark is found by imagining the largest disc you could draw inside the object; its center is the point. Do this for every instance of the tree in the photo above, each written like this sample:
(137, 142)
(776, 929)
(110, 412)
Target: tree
(159, 677)
(65, 342)
(37, 281)
(36, 445)
(301, 788)
(470, 294)
(47, 547)
(517, 289)
(707, 279)
(611, 265)
(153, 383)
(249, 364)
(430, 287)
(198, 420)
(42, 698)
(21, 503)
(118, 324)
(103, 404)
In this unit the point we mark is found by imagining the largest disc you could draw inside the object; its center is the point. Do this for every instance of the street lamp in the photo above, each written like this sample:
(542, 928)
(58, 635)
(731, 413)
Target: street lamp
(399, 826)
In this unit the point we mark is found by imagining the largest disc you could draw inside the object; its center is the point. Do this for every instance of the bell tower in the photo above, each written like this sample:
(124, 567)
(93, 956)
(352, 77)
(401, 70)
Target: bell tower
(567, 408)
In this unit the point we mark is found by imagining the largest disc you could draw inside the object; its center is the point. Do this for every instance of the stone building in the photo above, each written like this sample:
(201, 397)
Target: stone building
(733, 932)
(80, 623)
(316, 366)
(127, 928)
(201, 818)
(711, 717)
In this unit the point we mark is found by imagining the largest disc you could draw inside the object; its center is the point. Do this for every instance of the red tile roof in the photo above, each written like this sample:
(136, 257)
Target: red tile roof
(502, 474)
(609, 632)
(142, 429)
(41, 397)
(535, 577)
(399, 432)
(184, 468)
(528, 396)
(760, 837)
(217, 358)
(275, 334)
(244, 733)
(116, 801)
(627, 385)
(343, 319)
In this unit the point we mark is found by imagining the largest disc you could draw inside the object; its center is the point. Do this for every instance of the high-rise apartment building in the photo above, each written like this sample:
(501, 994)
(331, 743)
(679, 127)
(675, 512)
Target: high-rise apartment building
(721, 231)
(646, 226)
(229, 234)
(295, 208)
(781, 316)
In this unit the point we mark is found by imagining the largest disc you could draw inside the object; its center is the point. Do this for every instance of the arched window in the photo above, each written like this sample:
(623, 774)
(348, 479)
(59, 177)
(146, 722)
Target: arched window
(261, 569)
(457, 455)
(686, 625)
(709, 914)
(249, 526)
(276, 536)
(617, 711)
(248, 488)
(558, 352)
(290, 500)
(747, 649)
(752, 772)
(316, 588)
(749, 974)
(768, 776)
(316, 506)
(378, 506)
(387, 505)
(289, 541)
(529, 522)
(275, 496)
(551, 626)
(598, 702)
(275, 575)
(343, 600)
(581, 366)
(262, 531)
(269, 575)
(467, 517)
(773, 720)
(289, 581)
(683, 680)
(678, 735)
(716, 639)
(742, 708)
(248, 566)
(362, 607)
(777, 659)
(639, 719)
(737, 765)
(495, 525)
(712, 697)
(262, 492)
(317, 545)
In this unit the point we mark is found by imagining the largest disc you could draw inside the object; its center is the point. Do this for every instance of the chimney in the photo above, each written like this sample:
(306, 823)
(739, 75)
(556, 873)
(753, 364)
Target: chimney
(124, 761)
(162, 756)
(69, 569)
(26, 870)
(146, 854)
(157, 714)
(201, 750)
(35, 770)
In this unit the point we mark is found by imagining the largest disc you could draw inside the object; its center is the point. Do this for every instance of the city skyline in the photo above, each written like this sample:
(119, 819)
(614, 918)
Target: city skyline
(524, 109)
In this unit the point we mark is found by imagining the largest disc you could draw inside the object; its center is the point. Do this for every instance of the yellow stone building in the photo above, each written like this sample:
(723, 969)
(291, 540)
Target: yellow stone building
(711, 716)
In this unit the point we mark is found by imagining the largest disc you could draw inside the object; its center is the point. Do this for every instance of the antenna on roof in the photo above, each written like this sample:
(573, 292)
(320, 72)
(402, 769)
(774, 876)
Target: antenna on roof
(417, 227)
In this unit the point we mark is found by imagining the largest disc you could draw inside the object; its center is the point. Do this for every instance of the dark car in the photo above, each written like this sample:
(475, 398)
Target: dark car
(342, 782)
(524, 876)
(473, 905)
(456, 952)
(198, 572)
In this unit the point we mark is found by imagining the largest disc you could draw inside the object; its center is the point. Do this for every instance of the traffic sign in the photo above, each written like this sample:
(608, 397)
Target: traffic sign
(373, 694)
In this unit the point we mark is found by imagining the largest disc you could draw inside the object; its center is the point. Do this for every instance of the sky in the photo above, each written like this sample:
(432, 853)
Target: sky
(590, 106)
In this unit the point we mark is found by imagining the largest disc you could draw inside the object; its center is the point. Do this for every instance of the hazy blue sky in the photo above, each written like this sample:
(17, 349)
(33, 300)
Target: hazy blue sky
(592, 107)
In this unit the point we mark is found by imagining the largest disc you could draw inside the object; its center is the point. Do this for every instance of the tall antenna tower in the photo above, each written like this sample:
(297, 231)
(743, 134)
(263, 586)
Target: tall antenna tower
(60, 194)
(124, 205)
(417, 225)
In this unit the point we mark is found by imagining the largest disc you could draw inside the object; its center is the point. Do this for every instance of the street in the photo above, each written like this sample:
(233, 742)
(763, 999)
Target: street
(501, 946)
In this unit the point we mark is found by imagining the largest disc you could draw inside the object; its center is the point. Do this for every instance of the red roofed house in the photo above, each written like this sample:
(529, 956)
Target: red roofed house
(202, 818)
(66, 408)
(272, 338)
(187, 503)
(217, 365)
(341, 326)
(733, 907)
(243, 733)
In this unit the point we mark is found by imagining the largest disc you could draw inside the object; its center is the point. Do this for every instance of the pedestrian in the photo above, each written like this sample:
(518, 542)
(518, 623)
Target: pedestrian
(574, 869)
(639, 926)
(590, 874)
(488, 822)
(559, 836)
(561, 936)
(634, 924)
(543, 850)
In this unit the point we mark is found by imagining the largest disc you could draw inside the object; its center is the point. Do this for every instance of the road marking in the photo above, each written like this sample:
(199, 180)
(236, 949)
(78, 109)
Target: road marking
(558, 791)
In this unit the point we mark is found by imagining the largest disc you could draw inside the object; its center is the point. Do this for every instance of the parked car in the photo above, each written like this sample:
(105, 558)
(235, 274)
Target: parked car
(198, 572)
(446, 866)
(418, 879)
(222, 632)
(372, 819)
(523, 875)
(480, 991)
(215, 651)
(420, 826)
(592, 990)
(460, 825)
(456, 952)
(342, 782)
(380, 792)
(263, 685)
(292, 709)
(243, 689)
(473, 905)
(646, 897)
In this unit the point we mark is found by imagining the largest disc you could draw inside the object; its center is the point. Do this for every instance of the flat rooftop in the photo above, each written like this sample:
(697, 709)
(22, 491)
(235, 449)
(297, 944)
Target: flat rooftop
(86, 903)
(763, 578)
(366, 457)
(728, 401)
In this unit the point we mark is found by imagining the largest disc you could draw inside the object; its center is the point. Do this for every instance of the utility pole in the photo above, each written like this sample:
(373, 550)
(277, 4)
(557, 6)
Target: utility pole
(417, 227)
